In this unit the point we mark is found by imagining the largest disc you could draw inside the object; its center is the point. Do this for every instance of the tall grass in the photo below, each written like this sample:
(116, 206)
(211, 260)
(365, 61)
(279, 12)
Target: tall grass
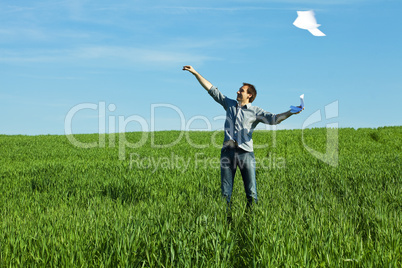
(65, 206)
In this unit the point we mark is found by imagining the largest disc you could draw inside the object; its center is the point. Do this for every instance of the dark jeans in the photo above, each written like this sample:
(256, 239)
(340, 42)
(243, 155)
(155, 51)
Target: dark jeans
(231, 158)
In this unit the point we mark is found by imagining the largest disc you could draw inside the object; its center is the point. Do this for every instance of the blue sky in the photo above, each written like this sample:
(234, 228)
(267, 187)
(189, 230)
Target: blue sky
(127, 56)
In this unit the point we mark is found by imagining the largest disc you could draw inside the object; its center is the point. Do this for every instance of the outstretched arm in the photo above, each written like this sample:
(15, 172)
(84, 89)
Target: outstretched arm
(282, 116)
(204, 82)
(285, 115)
(273, 119)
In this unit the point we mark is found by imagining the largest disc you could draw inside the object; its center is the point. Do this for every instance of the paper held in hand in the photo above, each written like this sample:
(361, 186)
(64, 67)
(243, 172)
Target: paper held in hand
(296, 109)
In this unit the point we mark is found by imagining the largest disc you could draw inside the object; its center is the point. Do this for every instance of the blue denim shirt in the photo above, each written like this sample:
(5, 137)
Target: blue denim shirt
(241, 121)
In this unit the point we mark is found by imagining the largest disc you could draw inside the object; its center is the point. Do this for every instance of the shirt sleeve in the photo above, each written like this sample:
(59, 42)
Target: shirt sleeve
(265, 117)
(271, 119)
(218, 96)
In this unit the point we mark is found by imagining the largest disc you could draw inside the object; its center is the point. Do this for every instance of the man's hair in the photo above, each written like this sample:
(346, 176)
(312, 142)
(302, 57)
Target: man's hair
(251, 90)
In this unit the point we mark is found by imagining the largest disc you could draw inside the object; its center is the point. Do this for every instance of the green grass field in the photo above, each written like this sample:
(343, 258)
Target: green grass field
(65, 206)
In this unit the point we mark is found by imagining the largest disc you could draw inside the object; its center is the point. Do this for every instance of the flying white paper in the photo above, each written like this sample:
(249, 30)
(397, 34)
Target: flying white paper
(296, 109)
(306, 20)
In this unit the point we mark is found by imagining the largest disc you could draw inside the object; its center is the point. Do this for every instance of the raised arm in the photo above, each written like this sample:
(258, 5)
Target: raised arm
(204, 82)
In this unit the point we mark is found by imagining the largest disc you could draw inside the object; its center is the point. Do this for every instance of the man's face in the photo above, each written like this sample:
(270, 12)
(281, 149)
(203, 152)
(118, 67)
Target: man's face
(242, 94)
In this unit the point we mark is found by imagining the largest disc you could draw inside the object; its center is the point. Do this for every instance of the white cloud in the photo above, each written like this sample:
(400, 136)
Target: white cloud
(140, 55)
(112, 54)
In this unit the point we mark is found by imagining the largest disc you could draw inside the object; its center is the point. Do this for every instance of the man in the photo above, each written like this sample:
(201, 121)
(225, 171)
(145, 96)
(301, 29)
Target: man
(237, 150)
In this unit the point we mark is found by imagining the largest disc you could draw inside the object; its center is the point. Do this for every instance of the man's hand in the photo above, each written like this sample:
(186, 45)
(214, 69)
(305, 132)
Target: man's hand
(300, 110)
(190, 69)
(204, 83)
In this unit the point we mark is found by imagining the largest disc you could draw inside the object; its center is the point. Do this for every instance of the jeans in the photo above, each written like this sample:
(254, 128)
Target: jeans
(231, 158)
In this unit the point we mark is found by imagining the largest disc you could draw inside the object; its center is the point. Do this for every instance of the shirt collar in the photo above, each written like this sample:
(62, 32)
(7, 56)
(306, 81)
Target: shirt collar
(247, 105)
